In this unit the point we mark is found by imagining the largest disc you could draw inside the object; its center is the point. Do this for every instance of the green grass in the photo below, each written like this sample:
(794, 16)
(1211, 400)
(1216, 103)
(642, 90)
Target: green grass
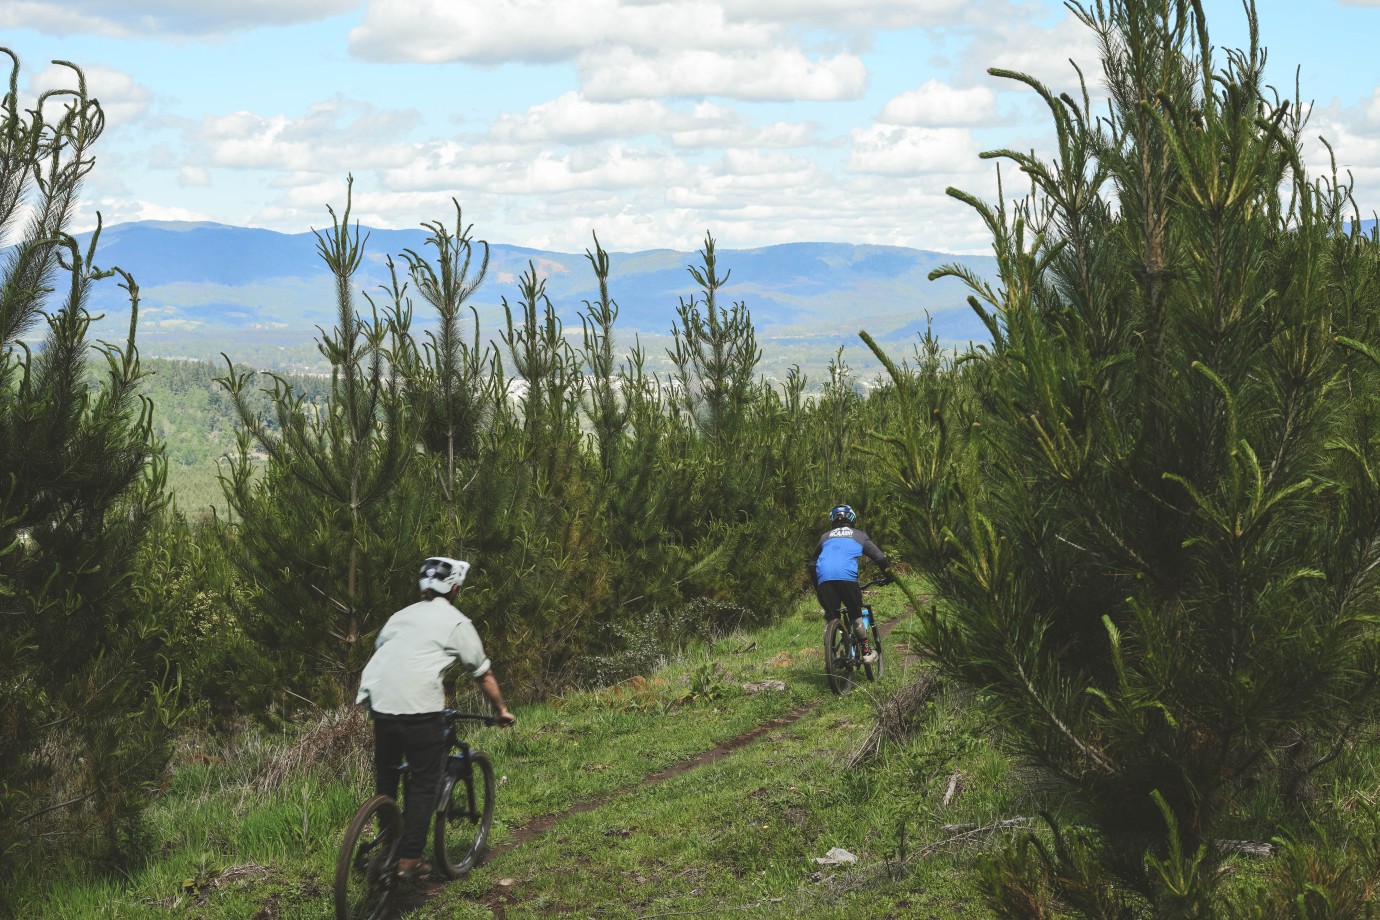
(734, 836)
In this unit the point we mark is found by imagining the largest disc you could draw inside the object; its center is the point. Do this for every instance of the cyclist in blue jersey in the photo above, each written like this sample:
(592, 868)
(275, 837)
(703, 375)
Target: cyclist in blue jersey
(834, 568)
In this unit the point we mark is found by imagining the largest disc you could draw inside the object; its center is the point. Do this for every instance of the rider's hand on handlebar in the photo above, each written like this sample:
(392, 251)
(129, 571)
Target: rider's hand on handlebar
(504, 719)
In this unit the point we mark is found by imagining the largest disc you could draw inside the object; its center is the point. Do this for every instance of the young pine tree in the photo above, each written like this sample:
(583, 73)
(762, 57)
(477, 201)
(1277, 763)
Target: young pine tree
(1162, 571)
(328, 520)
(86, 697)
(453, 391)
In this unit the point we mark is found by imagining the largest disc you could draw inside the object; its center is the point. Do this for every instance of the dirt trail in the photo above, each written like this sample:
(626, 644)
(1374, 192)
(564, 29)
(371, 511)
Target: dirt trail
(538, 827)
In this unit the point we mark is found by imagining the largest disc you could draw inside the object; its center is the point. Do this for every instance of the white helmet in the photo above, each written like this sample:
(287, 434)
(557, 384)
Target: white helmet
(443, 575)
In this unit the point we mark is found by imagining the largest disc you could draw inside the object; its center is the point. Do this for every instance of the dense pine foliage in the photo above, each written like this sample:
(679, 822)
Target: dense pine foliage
(87, 696)
(1150, 507)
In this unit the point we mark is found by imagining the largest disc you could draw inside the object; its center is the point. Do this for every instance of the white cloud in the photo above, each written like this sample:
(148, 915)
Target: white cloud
(55, 19)
(123, 100)
(899, 151)
(334, 134)
(649, 147)
(937, 104)
(819, 206)
(609, 167)
(1370, 108)
(147, 18)
(433, 31)
(775, 74)
(850, 14)
(709, 125)
(125, 210)
(1015, 42)
(1354, 134)
(779, 167)
(571, 118)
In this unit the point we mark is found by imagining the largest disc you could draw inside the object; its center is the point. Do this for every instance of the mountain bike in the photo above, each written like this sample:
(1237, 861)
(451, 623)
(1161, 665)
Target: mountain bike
(366, 875)
(843, 655)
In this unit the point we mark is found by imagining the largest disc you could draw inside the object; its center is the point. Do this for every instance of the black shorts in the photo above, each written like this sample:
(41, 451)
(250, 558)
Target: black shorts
(833, 594)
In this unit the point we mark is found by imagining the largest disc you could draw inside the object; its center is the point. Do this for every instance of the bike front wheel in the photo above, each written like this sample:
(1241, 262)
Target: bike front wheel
(838, 658)
(465, 815)
(366, 873)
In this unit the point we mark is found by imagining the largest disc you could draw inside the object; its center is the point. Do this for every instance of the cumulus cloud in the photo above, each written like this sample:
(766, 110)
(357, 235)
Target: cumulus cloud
(571, 118)
(537, 31)
(332, 133)
(778, 167)
(608, 167)
(431, 31)
(651, 146)
(55, 19)
(1020, 43)
(772, 74)
(122, 98)
(1370, 108)
(694, 132)
(850, 14)
(890, 150)
(145, 18)
(937, 104)
(1354, 135)
(116, 210)
(552, 175)
(742, 210)
(623, 50)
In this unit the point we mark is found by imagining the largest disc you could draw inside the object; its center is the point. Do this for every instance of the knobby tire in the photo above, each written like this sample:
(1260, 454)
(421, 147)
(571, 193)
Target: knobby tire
(366, 873)
(837, 651)
(461, 834)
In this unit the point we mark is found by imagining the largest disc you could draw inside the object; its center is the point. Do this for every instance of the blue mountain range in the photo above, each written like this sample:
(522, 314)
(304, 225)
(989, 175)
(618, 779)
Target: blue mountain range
(208, 287)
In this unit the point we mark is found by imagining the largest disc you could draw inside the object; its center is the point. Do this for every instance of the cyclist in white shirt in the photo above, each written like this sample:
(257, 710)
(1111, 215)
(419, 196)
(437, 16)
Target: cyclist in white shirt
(401, 685)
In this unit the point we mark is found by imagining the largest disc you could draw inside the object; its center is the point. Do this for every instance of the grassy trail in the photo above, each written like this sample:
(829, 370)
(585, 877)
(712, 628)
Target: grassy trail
(540, 827)
(708, 788)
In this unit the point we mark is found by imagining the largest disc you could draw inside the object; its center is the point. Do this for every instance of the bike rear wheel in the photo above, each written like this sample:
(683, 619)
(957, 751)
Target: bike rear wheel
(465, 814)
(838, 658)
(366, 873)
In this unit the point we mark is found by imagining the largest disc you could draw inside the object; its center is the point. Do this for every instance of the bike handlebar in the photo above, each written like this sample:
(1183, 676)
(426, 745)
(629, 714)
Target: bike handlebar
(878, 582)
(454, 715)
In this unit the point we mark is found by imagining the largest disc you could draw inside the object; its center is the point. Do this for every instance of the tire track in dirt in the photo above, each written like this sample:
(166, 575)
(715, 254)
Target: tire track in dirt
(539, 827)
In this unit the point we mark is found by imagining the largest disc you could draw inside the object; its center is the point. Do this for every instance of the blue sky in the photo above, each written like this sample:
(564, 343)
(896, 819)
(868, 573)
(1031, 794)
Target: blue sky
(647, 121)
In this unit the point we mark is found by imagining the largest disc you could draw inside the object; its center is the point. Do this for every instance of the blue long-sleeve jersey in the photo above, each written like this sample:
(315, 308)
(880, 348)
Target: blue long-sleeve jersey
(836, 556)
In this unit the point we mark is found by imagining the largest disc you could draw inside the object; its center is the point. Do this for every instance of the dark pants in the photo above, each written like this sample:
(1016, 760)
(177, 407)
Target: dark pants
(421, 739)
(833, 594)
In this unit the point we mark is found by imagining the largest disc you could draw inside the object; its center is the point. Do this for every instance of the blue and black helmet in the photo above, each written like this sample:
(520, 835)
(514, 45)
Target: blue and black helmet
(842, 514)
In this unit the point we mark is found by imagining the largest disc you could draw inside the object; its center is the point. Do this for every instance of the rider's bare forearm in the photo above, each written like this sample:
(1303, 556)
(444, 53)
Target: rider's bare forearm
(488, 685)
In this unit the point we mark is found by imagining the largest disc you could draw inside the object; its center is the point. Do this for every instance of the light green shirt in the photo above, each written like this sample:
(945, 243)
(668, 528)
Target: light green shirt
(412, 652)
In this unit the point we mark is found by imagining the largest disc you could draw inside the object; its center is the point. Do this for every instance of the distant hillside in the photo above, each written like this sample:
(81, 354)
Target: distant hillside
(259, 295)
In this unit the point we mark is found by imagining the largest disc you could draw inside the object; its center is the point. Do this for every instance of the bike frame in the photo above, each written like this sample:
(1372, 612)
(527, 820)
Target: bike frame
(459, 766)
